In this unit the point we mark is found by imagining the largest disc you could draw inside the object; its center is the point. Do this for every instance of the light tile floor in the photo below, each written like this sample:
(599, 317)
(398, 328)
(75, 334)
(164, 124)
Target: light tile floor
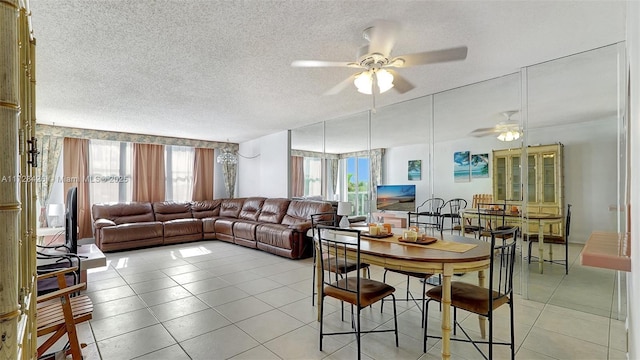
(214, 300)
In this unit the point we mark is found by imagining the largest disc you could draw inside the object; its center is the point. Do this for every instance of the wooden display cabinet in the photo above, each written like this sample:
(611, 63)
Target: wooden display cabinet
(544, 180)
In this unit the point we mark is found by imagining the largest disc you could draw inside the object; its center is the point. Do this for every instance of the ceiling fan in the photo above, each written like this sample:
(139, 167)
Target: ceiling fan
(507, 130)
(375, 62)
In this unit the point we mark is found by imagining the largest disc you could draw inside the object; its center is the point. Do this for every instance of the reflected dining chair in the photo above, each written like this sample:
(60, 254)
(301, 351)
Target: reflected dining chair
(554, 239)
(480, 300)
(491, 216)
(451, 210)
(338, 246)
(430, 211)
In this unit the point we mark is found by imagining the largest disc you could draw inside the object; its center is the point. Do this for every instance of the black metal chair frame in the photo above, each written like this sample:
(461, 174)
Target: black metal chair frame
(565, 262)
(327, 219)
(454, 206)
(336, 249)
(429, 209)
(493, 215)
(500, 287)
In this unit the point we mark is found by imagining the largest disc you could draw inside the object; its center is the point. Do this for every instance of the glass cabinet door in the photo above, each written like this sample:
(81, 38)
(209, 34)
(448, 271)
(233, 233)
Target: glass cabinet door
(531, 178)
(501, 178)
(516, 179)
(549, 178)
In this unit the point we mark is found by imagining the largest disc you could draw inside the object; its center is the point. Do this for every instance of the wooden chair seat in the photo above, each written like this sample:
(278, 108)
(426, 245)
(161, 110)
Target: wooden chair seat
(58, 312)
(371, 291)
(548, 239)
(341, 266)
(469, 297)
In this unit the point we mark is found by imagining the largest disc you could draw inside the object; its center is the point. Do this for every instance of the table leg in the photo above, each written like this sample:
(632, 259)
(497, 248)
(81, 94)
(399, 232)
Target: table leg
(319, 286)
(446, 311)
(482, 321)
(540, 246)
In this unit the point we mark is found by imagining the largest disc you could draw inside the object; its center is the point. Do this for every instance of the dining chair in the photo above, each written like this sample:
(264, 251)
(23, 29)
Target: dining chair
(491, 216)
(554, 239)
(337, 268)
(480, 300)
(58, 313)
(451, 210)
(430, 210)
(337, 246)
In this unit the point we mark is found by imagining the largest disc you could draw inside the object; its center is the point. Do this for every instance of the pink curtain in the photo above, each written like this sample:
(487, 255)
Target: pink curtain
(76, 170)
(203, 174)
(148, 172)
(297, 176)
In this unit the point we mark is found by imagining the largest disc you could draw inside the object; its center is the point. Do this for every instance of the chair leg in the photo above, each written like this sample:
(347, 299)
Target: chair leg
(358, 333)
(529, 252)
(384, 280)
(424, 294)
(455, 319)
(513, 341)
(425, 326)
(313, 281)
(566, 257)
(490, 317)
(395, 318)
(321, 319)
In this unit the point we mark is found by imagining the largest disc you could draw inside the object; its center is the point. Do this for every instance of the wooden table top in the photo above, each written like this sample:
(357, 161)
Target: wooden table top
(392, 248)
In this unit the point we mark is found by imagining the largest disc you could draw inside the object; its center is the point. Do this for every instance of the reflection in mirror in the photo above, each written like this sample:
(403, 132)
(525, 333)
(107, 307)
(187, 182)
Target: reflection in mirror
(400, 139)
(346, 148)
(574, 101)
(307, 154)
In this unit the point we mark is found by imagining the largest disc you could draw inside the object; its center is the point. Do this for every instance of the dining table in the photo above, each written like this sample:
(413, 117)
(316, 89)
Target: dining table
(446, 255)
(541, 219)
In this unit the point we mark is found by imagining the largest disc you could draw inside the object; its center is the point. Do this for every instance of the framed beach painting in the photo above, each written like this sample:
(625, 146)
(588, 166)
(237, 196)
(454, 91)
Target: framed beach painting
(479, 166)
(461, 167)
(415, 170)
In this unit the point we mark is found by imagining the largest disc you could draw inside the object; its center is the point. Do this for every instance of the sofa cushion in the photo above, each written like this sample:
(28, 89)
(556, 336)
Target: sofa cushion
(124, 213)
(300, 211)
(179, 227)
(132, 231)
(206, 208)
(273, 210)
(231, 207)
(251, 208)
(168, 210)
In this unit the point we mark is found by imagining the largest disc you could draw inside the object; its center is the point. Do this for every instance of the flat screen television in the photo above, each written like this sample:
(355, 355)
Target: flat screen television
(71, 221)
(396, 197)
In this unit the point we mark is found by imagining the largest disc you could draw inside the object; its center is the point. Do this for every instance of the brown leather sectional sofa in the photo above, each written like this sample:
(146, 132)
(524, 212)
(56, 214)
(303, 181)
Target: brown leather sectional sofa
(275, 225)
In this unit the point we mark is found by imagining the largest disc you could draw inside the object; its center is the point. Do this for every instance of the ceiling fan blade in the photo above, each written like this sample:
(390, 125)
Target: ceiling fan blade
(382, 36)
(341, 86)
(483, 132)
(430, 57)
(401, 84)
(321, 63)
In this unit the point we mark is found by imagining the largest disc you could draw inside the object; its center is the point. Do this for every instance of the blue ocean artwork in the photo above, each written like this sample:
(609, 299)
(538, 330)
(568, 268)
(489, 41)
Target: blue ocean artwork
(480, 165)
(461, 166)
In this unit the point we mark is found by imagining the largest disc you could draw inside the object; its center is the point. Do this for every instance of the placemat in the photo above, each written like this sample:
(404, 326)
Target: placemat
(442, 245)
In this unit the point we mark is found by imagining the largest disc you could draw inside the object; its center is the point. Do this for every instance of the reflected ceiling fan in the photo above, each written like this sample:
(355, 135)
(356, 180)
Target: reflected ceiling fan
(506, 130)
(375, 62)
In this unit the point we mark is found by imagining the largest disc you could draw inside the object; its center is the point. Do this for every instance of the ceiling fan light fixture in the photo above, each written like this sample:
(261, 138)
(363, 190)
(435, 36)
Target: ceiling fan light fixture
(364, 81)
(385, 80)
(509, 135)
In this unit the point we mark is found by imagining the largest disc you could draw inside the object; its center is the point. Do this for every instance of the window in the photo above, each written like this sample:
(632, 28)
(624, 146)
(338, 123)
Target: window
(179, 172)
(110, 171)
(312, 176)
(358, 184)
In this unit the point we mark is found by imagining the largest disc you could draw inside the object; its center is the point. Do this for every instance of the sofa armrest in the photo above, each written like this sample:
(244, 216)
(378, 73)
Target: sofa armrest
(100, 223)
(301, 227)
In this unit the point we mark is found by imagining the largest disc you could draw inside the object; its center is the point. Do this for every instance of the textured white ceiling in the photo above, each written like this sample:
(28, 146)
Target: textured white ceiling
(218, 70)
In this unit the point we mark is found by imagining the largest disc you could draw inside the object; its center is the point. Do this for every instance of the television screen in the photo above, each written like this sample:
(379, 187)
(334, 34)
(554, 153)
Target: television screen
(396, 197)
(71, 220)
